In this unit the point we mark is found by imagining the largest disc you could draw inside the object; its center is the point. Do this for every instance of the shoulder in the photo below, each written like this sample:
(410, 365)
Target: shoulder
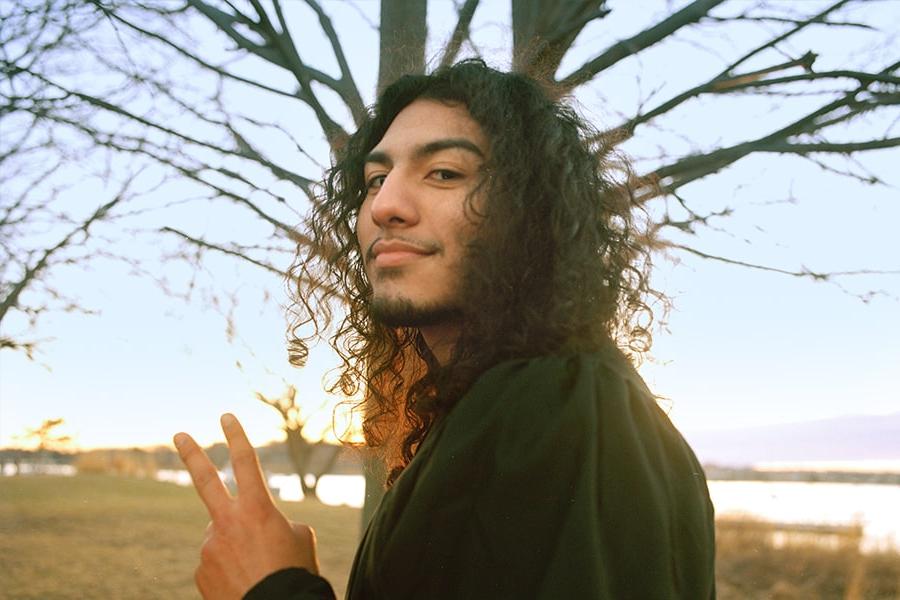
(568, 418)
(540, 390)
(527, 407)
(558, 457)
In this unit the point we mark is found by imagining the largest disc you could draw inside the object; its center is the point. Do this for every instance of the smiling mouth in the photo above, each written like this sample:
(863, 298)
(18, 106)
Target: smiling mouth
(397, 258)
(396, 253)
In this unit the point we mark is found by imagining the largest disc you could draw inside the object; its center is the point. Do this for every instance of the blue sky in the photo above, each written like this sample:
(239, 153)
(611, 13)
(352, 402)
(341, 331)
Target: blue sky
(740, 347)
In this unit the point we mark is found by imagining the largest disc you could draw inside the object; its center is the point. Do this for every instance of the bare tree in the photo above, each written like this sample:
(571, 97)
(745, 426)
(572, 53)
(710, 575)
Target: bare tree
(50, 444)
(163, 75)
(56, 191)
(46, 437)
(310, 460)
(200, 89)
(26, 266)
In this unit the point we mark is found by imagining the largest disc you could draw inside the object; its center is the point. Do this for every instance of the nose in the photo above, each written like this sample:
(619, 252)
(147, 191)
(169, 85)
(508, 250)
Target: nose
(394, 205)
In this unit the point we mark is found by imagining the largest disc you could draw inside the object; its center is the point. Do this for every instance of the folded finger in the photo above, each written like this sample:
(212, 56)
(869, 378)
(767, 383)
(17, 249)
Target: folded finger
(210, 488)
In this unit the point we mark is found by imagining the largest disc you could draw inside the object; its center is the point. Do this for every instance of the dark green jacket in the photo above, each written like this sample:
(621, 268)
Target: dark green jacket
(556, 477)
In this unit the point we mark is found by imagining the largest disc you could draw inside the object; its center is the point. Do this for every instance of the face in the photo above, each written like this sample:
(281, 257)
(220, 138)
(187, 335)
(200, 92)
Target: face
(413, 227)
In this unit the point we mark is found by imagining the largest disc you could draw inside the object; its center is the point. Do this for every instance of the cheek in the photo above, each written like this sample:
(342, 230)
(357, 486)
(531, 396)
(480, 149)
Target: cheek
(364, 229)
(466, 231)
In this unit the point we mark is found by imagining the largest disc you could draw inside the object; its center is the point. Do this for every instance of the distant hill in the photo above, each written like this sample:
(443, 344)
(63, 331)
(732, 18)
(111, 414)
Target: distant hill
(847, 438)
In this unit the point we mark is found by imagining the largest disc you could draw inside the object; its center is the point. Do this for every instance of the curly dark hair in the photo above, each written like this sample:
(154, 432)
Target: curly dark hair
(559, 265)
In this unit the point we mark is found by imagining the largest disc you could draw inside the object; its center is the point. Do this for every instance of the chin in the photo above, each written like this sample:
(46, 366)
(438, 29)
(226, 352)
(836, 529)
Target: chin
(404, 312)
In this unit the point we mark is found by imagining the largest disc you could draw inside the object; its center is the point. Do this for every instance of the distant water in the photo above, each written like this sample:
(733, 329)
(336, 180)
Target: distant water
(332, 489)
(846, 466)
(25, 468)
(335, 490)
(875, 507)
(872, 506)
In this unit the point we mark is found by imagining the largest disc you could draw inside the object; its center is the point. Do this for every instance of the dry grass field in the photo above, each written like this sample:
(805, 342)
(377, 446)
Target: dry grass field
(100, 536)
(757, 560)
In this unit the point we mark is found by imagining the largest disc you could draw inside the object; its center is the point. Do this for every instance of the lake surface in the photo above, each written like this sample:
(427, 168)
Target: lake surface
(875, 507)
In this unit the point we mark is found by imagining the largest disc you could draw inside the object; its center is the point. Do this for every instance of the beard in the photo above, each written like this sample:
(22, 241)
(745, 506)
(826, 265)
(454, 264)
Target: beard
(401, 312)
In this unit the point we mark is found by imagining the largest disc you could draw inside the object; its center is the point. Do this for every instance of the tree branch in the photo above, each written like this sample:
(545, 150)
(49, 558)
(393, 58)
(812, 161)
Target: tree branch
(773, 19)
(460, 32)
(283, 408)
(692, 13)
(690, 168)
(31, 273)
(741, 83)
(544, 30)
(345, 87)
(816, 275)
(244, 150)
(193, 173)
(225, 22)
(833, 148)
(193, 57)
(284, 55)
(715, 85)
(229, 251)
(777, 40)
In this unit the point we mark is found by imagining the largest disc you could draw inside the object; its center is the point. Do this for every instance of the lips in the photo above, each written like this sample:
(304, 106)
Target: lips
(394, 253)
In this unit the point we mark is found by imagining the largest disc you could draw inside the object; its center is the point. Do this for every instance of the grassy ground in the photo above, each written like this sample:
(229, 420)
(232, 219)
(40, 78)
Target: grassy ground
(98, 536)
(751, 565)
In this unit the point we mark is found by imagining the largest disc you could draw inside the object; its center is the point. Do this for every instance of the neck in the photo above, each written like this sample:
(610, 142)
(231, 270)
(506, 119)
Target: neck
(441, 339)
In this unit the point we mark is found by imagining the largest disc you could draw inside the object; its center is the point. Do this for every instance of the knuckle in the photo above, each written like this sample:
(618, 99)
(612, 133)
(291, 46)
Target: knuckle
(200, 581)
(257, 507)
(201, 482)
(205, 479)
(304, 532)
(226, 523)
(207, 553)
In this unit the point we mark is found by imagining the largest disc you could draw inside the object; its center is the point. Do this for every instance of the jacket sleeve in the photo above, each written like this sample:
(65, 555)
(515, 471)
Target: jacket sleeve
(291, 584)
(588, 492)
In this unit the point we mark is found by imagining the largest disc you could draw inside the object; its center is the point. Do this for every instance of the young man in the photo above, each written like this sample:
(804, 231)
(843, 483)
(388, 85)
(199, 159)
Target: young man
(494, 273)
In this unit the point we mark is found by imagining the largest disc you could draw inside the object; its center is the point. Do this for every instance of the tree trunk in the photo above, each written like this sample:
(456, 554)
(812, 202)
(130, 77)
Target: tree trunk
(543, 31)
(311, 491)
(299, 451)
(402, 46)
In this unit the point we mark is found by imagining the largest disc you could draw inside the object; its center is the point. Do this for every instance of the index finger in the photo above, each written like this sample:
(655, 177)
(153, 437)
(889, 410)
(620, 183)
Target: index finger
(210, 488)
(250, 481)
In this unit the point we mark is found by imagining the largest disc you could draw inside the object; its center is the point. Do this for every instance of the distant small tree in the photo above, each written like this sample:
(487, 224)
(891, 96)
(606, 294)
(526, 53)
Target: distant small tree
(307, 458)
(49, 441)
(47, 437)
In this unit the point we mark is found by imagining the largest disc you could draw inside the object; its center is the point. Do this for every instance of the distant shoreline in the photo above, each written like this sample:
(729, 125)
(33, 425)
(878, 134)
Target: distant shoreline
(758, 473)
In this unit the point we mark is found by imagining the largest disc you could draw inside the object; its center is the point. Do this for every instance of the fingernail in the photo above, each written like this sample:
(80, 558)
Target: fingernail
(228, 420)
(179, 439)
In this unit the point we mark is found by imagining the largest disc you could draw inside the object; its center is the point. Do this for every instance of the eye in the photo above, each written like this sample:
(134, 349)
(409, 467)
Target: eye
(445, 174)
(374, 183)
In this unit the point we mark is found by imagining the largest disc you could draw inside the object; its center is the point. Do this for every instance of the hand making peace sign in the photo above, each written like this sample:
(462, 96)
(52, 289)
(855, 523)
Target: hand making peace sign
(248, 537)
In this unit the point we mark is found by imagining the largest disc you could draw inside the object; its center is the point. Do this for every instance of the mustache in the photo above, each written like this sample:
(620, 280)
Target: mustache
(425, 246)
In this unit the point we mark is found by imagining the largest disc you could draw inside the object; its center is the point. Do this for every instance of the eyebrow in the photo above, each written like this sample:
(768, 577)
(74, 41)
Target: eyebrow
(383, 158)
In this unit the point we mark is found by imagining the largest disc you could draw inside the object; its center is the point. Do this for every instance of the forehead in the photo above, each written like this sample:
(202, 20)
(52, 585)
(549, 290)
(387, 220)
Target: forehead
(424, 121)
